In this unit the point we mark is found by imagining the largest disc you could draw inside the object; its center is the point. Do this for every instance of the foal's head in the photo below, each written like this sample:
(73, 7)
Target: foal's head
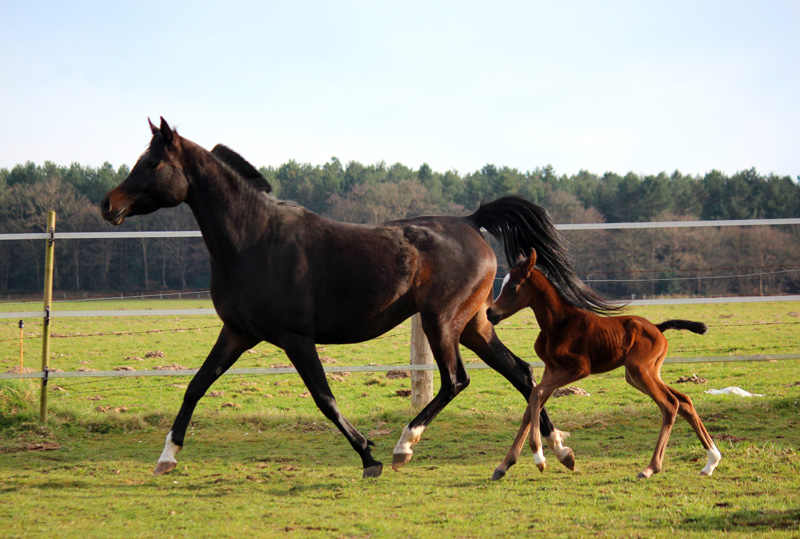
(156, 181)
(515, 294)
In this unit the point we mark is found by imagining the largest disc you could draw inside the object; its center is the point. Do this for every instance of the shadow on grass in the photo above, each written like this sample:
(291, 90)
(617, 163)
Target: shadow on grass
(747, 519)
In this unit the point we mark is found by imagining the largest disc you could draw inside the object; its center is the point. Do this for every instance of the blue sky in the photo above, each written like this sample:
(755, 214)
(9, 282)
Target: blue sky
(602, 86)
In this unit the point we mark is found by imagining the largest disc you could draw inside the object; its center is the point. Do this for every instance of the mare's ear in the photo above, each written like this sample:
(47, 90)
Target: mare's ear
(166, 132)
(153, 128)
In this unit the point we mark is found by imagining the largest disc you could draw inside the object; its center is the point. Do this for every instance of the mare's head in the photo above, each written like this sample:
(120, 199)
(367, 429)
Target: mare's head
(515, 294)
(156, 181)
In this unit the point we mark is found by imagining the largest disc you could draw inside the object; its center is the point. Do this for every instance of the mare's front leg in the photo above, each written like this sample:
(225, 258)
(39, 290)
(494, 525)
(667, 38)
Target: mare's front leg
(303, 354)
(225, 352)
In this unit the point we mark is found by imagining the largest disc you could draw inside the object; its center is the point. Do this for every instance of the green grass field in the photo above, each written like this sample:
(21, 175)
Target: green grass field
(261, 461)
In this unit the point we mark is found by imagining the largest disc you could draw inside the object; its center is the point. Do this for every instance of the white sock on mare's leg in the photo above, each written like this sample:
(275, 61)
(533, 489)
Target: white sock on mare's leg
(170, 450)
(407, 439)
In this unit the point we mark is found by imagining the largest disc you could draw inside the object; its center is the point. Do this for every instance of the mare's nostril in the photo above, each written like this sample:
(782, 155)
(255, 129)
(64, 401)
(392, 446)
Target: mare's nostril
(105, 206)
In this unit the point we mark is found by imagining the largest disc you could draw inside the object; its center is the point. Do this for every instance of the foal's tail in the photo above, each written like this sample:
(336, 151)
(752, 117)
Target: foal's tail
(695, 327)
(521, 226)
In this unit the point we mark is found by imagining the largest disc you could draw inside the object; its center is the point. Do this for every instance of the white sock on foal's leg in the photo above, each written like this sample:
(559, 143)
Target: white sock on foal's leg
(714, 456)
(538, 458)
(563, 453)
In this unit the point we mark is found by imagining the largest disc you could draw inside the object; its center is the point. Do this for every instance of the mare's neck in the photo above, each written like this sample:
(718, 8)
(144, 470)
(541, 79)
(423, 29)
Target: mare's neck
(546, 301)
(231, 215)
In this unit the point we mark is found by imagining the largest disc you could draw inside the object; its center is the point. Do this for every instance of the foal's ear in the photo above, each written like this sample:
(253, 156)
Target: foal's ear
(520, 258)
(531, 262)
(153, 128)
(166, 132)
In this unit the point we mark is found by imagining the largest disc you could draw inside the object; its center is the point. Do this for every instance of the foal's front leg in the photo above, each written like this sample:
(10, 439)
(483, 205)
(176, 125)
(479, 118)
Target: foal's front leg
(552, 379)
(516, 447)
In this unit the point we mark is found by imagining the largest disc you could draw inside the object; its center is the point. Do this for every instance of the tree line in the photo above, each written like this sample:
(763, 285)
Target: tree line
(621, 264)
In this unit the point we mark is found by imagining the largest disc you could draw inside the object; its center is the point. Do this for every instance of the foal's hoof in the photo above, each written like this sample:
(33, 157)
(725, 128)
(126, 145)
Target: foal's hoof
(400, 459)
(644, 474)
(373, 471)
(542, 466)
(164, 466)
(498, 474)
(568, 460)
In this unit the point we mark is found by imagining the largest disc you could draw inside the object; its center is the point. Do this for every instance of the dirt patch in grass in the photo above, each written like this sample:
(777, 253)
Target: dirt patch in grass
(694, 379)
(31, 446)
(570, 391)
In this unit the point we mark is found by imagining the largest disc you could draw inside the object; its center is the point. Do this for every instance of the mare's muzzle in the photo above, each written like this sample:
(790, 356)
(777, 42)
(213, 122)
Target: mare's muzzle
(113, 209)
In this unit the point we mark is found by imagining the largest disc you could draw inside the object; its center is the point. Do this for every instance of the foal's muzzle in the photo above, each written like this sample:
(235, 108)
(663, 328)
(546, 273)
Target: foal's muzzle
(493, 317)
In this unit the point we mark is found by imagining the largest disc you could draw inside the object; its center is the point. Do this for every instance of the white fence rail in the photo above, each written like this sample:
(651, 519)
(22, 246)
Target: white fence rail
(54, 236)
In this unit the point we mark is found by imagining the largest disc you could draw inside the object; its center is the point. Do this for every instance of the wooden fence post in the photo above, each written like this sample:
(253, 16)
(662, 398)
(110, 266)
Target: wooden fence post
(48, 300)
(421, 381)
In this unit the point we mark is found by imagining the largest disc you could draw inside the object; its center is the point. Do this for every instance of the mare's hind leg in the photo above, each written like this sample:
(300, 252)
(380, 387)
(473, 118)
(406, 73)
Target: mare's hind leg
(225, 352)
(454, 378)
(687, 411)
(303, 354)
(643, 375)
(480, 337)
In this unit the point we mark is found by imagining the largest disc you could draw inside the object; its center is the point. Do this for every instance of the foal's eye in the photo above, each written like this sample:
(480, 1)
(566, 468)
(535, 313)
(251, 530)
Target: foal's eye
(513, 287)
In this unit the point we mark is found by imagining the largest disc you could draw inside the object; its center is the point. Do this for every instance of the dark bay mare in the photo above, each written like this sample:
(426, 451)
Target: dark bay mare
(282, 274)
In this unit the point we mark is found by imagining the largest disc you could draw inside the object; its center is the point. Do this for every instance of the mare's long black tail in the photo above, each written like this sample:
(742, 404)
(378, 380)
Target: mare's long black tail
(521, 226)
(695, 327)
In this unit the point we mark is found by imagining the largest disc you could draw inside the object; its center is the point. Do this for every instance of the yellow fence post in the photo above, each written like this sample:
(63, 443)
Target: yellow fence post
(21, 345)
(48, 299)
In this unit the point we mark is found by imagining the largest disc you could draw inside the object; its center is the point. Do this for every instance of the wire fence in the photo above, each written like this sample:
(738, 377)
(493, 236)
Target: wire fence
(51, 314)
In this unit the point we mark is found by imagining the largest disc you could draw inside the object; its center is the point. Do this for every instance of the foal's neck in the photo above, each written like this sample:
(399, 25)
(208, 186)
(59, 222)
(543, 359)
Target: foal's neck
(547, 303)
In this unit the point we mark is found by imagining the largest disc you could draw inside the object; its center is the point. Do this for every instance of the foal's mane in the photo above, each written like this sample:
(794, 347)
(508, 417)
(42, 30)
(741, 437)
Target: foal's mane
(242, 167)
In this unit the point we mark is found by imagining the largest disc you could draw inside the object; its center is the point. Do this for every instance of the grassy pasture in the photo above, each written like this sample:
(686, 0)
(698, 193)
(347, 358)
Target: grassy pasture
(260, 460)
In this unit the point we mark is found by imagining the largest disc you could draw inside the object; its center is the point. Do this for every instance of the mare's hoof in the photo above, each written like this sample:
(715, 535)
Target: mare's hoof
(704, 474)
(644, 474)
(400, 459)
(373, 471)
(498, 474)
(164, 466)
(568, 460)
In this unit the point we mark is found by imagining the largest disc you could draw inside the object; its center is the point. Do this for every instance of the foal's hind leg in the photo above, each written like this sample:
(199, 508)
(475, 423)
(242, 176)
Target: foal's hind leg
(645, 378)
(687, 411)
(480, 337)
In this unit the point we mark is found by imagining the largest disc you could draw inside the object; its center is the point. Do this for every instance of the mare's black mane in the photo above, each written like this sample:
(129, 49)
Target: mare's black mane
(242, 167)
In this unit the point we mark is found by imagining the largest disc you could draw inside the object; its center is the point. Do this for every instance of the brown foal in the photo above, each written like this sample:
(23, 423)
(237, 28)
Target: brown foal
(574, 343)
